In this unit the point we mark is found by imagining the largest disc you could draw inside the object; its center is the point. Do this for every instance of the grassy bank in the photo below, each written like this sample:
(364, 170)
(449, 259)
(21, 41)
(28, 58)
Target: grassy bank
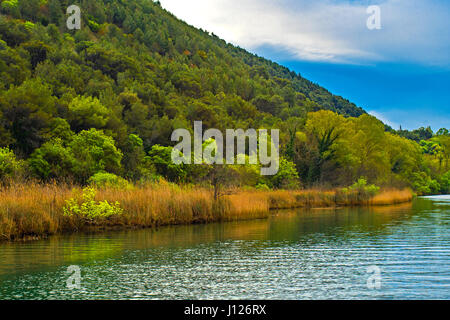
(35, 210)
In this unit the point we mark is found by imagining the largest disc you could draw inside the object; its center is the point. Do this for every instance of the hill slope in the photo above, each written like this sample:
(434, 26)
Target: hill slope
(150, 71)
(77, 104)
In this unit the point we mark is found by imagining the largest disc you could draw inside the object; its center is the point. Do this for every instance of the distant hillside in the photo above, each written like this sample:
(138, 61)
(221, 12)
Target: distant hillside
(150, 71)
(81, 104)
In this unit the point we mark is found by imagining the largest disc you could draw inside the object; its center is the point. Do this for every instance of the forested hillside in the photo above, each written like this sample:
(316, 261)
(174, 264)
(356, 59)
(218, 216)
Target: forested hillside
(106, 98)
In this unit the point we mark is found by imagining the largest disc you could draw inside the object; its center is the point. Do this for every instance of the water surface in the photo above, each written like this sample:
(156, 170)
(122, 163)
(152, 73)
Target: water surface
(315, 254)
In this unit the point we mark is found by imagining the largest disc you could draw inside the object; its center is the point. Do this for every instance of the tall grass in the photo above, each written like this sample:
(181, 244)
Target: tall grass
(393, 196)
(36, 210)
(31, 210)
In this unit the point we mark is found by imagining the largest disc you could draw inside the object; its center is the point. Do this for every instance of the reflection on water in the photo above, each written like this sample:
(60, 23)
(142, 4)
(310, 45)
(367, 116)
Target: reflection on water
(314, 254)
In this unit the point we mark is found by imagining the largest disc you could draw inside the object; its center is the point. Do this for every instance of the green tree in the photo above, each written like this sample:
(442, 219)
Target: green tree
(38, 52)
(55, 11)
(287, 176)
(161, 158)
(53, 161)
(10, 167)
(133, 159)
(86, 113)
(94, 152)
(27, 111)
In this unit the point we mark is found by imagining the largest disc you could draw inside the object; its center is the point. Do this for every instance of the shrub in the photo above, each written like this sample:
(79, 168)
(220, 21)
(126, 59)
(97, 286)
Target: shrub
(52, 161)
(361, 187)
(10, 6)
(445, 183)
(358, 192)
(434, 186)
(3, 45)
(29, 25)
(10, 167)
(108, 180)
(94, 152)
(87, 112)
(161, 158)
(94, 26)
(423, 184)
(286, 177)
(262, 187)
(85, 207)
(133, 159)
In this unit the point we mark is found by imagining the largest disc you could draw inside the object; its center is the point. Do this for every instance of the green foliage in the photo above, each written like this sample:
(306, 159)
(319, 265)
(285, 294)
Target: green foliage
(52, 161)
(10, 167)
(10, 3)
(133, 160)
(358, 192)
(262, 187)
(95, 27)
(36, 49)
(10, 7)
(85, 207)
(27, 111)
(286, 177)
(94, 152)
(417, 135)
(362, 187)
(86, 113)
(88, 153)
(424, 184)
(161, 158)
(445, 183)
(108, 180)
(76, 103)
(3, 45)
(13, 32)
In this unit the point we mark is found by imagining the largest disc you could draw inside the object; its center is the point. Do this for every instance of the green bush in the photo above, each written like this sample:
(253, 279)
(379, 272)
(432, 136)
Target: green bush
(423, 184)
(94, 26)
(9, 6)
(434, 186)
(357, 192)
(52, 161)
(362, 188)
(161, 158)
(3, 45)
(10, 167)
(445, 183)
(262, 187)
(87, 153)
(108, 180)
(286, 177)
(85, 207)
(94, 152)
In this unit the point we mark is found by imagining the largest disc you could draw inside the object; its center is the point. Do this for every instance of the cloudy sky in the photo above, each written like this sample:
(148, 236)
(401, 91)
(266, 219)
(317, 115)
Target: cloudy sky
(400, 73)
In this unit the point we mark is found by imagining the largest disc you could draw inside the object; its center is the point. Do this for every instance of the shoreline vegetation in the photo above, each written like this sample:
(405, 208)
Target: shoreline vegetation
(35, 211)
(97, 107)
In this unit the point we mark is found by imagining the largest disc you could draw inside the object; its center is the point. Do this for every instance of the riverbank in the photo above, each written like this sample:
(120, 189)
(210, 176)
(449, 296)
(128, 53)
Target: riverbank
(34, 211)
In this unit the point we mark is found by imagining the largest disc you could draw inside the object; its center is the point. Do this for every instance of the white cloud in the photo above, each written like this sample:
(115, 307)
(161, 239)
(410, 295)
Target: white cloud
(383, 118)
(327, 30)
(413, 118)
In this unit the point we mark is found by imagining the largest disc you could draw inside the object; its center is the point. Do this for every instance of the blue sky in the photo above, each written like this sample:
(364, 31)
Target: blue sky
(400, 73)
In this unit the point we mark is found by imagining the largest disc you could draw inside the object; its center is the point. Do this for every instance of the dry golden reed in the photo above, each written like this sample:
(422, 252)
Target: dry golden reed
(393, 196)
(36, 210)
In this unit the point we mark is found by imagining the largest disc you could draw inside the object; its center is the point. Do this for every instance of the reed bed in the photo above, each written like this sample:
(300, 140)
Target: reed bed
(284, 199)
(388, 197)
(35, 210)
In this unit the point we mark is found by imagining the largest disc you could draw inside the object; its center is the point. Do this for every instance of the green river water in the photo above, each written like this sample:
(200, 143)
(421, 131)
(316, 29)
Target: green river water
(395, 252)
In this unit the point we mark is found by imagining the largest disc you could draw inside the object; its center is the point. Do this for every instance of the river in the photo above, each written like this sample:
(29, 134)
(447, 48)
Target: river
(395, 252)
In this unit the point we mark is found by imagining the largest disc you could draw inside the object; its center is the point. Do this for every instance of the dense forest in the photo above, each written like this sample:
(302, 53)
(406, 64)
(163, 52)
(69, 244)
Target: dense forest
(101, 103)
